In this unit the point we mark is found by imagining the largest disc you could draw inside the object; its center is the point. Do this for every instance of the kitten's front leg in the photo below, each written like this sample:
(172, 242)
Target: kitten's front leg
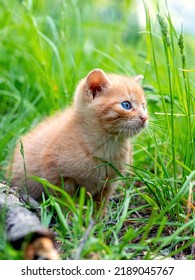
(101, 198)
(70, 186)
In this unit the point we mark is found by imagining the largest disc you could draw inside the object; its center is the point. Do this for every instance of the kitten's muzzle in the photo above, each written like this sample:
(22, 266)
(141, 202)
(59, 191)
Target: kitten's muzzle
(143, 118)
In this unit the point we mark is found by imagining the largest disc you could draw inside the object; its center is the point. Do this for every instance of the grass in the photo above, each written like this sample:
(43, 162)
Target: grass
(44, 51)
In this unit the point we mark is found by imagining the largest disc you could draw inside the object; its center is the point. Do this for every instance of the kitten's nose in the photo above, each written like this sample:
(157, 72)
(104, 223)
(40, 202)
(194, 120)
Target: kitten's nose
(143, 118)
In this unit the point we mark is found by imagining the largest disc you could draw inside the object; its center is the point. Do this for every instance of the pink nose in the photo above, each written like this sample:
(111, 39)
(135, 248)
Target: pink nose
(143, 118)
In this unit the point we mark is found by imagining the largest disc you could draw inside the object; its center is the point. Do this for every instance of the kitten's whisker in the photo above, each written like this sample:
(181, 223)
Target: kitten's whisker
(114, 127)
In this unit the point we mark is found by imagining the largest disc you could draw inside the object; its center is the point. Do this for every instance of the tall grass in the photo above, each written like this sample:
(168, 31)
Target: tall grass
(178, 156)
(44, 50)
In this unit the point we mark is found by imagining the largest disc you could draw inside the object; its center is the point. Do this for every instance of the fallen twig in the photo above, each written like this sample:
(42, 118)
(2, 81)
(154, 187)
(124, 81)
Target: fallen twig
(23, 228)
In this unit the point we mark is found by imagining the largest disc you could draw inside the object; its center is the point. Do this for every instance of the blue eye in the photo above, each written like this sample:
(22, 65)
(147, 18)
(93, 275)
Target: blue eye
(126, 105)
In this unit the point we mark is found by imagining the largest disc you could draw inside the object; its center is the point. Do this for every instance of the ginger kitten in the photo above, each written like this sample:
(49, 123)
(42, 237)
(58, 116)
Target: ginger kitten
(107, 110)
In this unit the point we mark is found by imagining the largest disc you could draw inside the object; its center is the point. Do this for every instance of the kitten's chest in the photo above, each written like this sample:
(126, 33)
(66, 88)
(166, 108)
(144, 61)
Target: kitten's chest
(95, 169)
(113, 155)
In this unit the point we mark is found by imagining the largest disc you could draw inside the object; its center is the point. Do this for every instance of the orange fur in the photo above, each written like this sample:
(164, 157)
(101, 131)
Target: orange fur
(74, 143)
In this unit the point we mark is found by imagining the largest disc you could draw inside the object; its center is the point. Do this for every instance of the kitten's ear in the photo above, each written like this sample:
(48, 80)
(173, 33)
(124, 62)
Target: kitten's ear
(96, 81)
(138, 78)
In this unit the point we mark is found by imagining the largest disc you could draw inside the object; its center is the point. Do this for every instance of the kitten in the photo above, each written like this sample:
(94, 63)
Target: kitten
(75, 144)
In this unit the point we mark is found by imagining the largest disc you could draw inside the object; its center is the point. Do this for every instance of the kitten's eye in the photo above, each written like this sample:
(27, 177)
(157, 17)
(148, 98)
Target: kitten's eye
(143, 106)
(126, 105)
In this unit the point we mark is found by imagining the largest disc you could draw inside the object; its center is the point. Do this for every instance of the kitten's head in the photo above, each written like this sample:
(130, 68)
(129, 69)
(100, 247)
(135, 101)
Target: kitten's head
(114, 103)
